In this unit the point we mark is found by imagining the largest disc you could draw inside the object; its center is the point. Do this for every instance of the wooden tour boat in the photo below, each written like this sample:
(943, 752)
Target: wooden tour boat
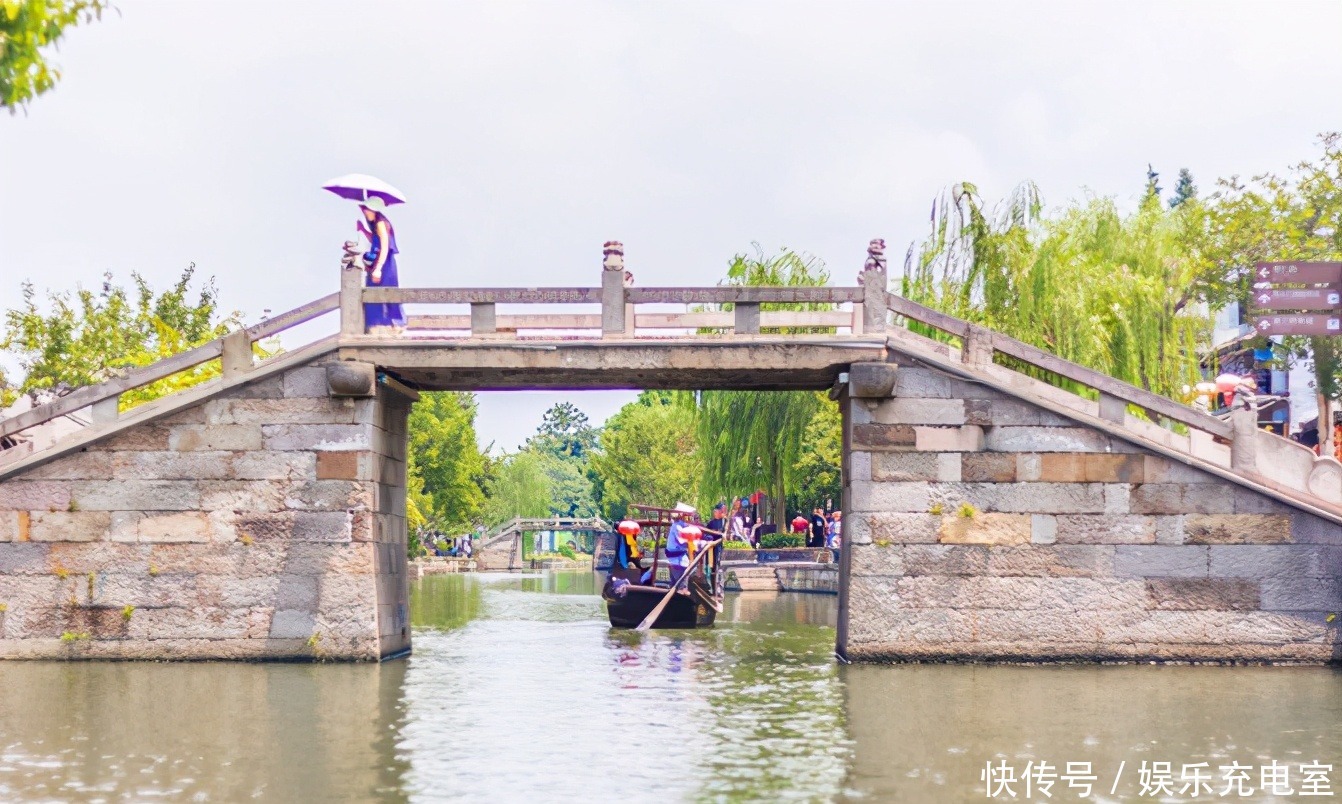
(629, 601)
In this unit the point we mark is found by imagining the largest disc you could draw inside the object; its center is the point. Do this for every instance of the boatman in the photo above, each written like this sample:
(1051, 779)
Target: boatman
(677, 546)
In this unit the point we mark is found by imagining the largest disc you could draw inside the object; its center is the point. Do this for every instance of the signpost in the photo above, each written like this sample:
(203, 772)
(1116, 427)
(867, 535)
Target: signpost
(1285, 286)
(1299, 273)
(1298, 324)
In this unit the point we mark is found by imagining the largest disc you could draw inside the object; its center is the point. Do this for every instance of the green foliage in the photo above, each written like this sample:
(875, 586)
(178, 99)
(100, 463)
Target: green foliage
(1185, 190)
(519, 487)
(1111, 291)
(87, 338)
(735, 545)
(753, 440)
(446, 471)
(648, 453)
(570, 489)
(966, 511)
(776, 541)
(818, 464)
(127, 611)
(75, 636)
(564, 432)
(28, 28)
(567, 552)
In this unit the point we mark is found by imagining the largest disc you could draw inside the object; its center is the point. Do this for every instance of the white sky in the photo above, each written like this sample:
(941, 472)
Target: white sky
(526, 134)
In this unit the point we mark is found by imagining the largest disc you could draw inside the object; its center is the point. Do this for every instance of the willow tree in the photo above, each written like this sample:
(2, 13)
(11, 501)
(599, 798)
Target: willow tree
(1116, 292)
(752, 440)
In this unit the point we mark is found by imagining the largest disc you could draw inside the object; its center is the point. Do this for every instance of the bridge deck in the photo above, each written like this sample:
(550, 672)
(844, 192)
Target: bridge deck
(778, 363)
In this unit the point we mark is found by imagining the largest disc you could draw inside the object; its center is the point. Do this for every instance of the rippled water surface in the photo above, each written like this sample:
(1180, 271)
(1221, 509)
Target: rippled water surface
(519, 690)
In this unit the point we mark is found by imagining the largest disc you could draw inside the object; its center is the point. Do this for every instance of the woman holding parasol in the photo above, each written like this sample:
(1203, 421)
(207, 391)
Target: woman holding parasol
(379, 262)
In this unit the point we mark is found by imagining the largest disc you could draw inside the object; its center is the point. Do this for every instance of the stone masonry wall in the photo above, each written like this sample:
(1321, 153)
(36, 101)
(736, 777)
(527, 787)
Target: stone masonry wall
(979, 527)
(252, 526)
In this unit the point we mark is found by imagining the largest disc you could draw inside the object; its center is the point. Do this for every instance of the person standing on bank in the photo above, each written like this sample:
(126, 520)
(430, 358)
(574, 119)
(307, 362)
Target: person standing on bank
(374, 196)
(818, 526)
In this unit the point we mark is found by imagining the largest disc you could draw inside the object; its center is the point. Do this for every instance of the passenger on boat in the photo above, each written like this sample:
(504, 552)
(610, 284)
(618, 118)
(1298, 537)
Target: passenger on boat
(678, 548)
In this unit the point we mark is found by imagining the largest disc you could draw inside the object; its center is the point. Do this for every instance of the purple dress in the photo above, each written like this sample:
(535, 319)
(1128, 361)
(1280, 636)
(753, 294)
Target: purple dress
(382, 315)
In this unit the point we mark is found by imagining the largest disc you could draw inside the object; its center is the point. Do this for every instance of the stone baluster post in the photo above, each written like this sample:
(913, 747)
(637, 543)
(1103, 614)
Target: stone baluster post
(1244, 427)
(873, 281)
(612, 289)
(351, 302)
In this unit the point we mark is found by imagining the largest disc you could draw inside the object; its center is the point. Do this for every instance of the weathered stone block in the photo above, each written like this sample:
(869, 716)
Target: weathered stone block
(264, 526)
(309, 381)
(1045, 439)
(911, 381)
(242, 495)
(322, 526)
(296, 592)
(14, 526)
(1029, 467)
(1063, 467)
(1117, 498)
(339, 465)
(1160, 561)
(317, 558)
(209, 437)
(1237, 529)
(906, 466)
(1301, 594)
(185, 526)
(1022, 498)
(80, 466)
(859, 465)
(901, 497)
(900, 528)
(968, 438)
(70, 526)
(321, 437)
(883, 436)
(1169, 529)
(351, 378)
(136, 495)
(1106, 529)
(125, 526)
(1251, 502)
(1043, 529)
(1157, 469)
(168, 465)
(23, 558)
(1274, 561)
(1059, 561)
(986, 528)
(1307, 529)
(1202, 594)
(919, 411)
(987, 467)
(298, 410)
(331, 495)
(143, 438)
(35, 495)
(1182, 498)
(275, 465)
(944, 559)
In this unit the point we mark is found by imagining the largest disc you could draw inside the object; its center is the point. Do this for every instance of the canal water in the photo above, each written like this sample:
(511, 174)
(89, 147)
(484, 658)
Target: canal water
(519, 691)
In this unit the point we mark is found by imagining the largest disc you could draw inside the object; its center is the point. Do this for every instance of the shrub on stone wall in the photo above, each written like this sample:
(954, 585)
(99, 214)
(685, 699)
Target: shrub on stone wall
(774, 541)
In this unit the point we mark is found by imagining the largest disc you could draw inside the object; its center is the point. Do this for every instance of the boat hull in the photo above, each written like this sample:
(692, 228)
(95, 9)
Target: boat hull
(694, 610)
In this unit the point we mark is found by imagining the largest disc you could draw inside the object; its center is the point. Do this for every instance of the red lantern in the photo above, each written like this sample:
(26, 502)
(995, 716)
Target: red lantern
(629, 528)
(1226, 384)
(691, 533)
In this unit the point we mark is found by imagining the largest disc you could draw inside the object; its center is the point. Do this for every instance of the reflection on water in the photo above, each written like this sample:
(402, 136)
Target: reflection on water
(519, 691)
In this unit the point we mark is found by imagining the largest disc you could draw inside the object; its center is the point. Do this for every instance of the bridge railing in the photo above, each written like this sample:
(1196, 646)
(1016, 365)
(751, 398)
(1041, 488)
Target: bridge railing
(234, 350)
(618, 300)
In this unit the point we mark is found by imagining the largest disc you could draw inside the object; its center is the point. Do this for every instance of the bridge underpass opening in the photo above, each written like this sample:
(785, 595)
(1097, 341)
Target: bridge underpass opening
(506, 420)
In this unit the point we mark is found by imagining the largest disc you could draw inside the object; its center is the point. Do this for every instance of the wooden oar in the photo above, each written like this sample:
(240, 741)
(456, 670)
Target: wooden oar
(655, 613)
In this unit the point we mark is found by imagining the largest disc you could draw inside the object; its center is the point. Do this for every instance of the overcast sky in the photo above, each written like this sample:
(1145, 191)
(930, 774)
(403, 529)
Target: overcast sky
(525, 135)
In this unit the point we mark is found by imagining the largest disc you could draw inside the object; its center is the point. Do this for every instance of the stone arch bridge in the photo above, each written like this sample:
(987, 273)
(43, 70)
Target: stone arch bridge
(989, 515)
